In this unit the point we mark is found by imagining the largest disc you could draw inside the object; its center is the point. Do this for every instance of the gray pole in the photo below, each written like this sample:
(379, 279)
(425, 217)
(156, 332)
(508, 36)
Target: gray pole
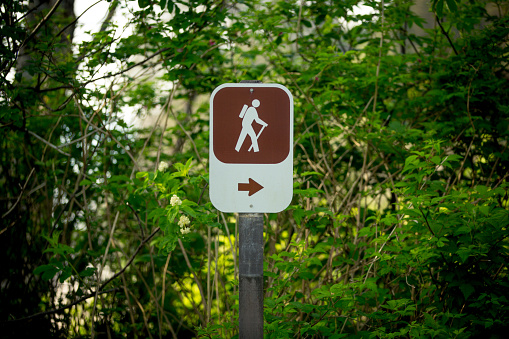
(250, 272)
(250, 275)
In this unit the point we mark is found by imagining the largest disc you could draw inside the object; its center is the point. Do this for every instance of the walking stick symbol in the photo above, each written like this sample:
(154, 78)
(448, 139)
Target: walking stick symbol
(258, 136)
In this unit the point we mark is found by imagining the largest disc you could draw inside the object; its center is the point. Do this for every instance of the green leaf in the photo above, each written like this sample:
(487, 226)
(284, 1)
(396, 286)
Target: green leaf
(42, 268)
(188, 210)
(306, 275)
(499, 218)
(116, 178)
(367, 231)
(144, 3)
(410, 163)
(467, 290)
(436, 160)
(452, 5)
(143, 258)
(188, 203)
(413, 213)
(61, 249)
(303, 174)
(298, 214)
(308, 193)
(156, 213)
(141, 175)
(85, 182)
(286, 254)
(66, 273)
(464, 253)
(87, 272)
(439, 8)
(306, 23)
(441, 242)
(462, 230)
(48, 271)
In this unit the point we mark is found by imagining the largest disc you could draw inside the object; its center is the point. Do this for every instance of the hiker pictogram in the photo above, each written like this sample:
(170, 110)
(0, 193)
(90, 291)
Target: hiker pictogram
(250, 115)
(251, 125)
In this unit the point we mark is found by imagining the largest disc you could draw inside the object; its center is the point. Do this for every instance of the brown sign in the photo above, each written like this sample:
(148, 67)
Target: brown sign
(251, 125)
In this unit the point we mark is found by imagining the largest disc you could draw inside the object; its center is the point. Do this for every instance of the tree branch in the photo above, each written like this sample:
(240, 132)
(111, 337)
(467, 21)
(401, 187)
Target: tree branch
(58, 310)
(39, 25)
(446, 35)
(130, 261)
(93, 294)
(19, 197)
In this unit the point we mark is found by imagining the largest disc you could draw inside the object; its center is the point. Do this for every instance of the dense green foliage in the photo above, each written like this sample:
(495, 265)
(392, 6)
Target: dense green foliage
(399, 222)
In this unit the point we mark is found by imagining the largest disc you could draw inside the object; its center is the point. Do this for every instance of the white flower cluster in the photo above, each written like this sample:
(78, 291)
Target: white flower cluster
(175, 200)
(183, 222)
(163, 166)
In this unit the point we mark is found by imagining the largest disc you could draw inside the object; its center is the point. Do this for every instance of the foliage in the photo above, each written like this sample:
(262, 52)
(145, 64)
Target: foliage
(398, 225)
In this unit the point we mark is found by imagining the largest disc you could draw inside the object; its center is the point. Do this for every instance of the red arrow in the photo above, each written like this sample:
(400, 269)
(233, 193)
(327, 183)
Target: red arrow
(252, 187)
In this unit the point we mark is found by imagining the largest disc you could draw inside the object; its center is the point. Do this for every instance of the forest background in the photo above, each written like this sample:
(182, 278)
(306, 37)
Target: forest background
(398, 224)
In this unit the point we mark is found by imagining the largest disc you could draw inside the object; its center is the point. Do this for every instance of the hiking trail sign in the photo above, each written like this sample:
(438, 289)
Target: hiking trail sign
(251, 148)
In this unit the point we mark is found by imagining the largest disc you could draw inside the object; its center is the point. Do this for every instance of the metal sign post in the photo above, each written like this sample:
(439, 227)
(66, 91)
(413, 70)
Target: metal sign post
(250, 275)
(251, 173)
